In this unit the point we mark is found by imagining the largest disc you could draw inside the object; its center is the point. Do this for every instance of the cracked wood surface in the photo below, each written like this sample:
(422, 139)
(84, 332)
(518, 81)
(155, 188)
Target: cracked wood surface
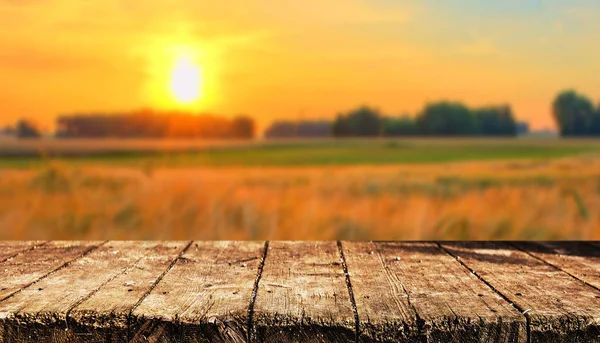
(559, 307)
(228, 291)
(384, 310)
(424, 277)
(302, 295)
(580, 259)
(11, 249)
(104, 315)
(204, 298)
(43, 309)
(27, 268)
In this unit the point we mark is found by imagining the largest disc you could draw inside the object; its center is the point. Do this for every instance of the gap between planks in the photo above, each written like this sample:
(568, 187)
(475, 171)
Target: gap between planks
(350, 292)
(22, 251)
(64, 265)
(522, 311)
(348, 281)
(345, 270)
(261, 266)
(94, 291)
(553, 265)
(158, 280)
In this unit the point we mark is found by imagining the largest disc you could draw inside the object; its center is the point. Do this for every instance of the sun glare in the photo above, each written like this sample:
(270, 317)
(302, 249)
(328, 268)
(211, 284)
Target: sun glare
(186, 81)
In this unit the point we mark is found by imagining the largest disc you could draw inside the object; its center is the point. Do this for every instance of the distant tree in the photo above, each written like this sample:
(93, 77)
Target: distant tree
(447, 119)
(243, 127)
(302, 129)
(149, 124)
(522, 128)
(595, 122)
(282, 129)
(340, 126)
(495, 121)
(400, 126)
(363, 121)
(508, 122)
(574, 114)
(314, 128)
(8, 130)
(27, 129)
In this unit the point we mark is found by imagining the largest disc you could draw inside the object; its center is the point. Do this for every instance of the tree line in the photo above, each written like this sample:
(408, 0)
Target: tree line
(141, 124)
(149, 124)
(24, 128)
(443, 118)
(302, 128)
(436, 119)
(574, 114)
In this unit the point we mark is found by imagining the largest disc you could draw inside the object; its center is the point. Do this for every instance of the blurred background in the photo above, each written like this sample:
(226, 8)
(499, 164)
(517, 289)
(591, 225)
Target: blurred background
(349, 120)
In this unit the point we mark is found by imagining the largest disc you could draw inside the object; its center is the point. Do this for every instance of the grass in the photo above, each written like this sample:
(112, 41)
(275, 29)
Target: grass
(413, 189)
(347, 189)
(293, 154)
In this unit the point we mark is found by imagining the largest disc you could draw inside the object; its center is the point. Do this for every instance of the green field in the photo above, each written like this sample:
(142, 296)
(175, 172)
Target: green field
(378, 189)
(300, 153)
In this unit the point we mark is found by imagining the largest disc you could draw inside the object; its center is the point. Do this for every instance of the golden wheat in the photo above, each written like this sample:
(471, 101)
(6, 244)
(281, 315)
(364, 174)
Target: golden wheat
(556, 199)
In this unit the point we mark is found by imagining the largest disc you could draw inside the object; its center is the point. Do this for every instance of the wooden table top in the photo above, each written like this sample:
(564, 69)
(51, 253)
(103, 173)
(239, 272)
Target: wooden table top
(232, 291)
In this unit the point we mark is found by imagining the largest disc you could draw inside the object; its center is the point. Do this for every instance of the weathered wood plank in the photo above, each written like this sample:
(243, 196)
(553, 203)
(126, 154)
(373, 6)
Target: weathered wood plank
(424, 277)
(435, 283)
(406, 292)
(41, 312)
(384, 311)
(302, 295)
(559, 308)
(104, 316)
(9, 249)
(32, 265)
(204, 298)
(580, 259)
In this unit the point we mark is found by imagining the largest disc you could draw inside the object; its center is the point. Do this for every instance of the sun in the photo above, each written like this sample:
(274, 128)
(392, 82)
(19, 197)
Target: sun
(181, 76)
(186, 81)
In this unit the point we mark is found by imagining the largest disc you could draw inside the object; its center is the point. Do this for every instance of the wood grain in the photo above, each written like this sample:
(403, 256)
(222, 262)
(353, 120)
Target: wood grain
(34, 264)
(422, 277)
(9, 249)
(105, 315)
(299, 292)
(40, 312)
(559, 308)
(384, 311)
(205, 297)
(302, 295)
(580, 259)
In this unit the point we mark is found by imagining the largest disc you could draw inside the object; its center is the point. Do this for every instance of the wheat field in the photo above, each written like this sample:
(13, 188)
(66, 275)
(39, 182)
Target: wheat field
(538, 199)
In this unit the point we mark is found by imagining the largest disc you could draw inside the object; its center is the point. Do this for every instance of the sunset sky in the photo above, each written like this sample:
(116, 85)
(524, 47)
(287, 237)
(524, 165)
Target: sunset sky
(295, 59)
